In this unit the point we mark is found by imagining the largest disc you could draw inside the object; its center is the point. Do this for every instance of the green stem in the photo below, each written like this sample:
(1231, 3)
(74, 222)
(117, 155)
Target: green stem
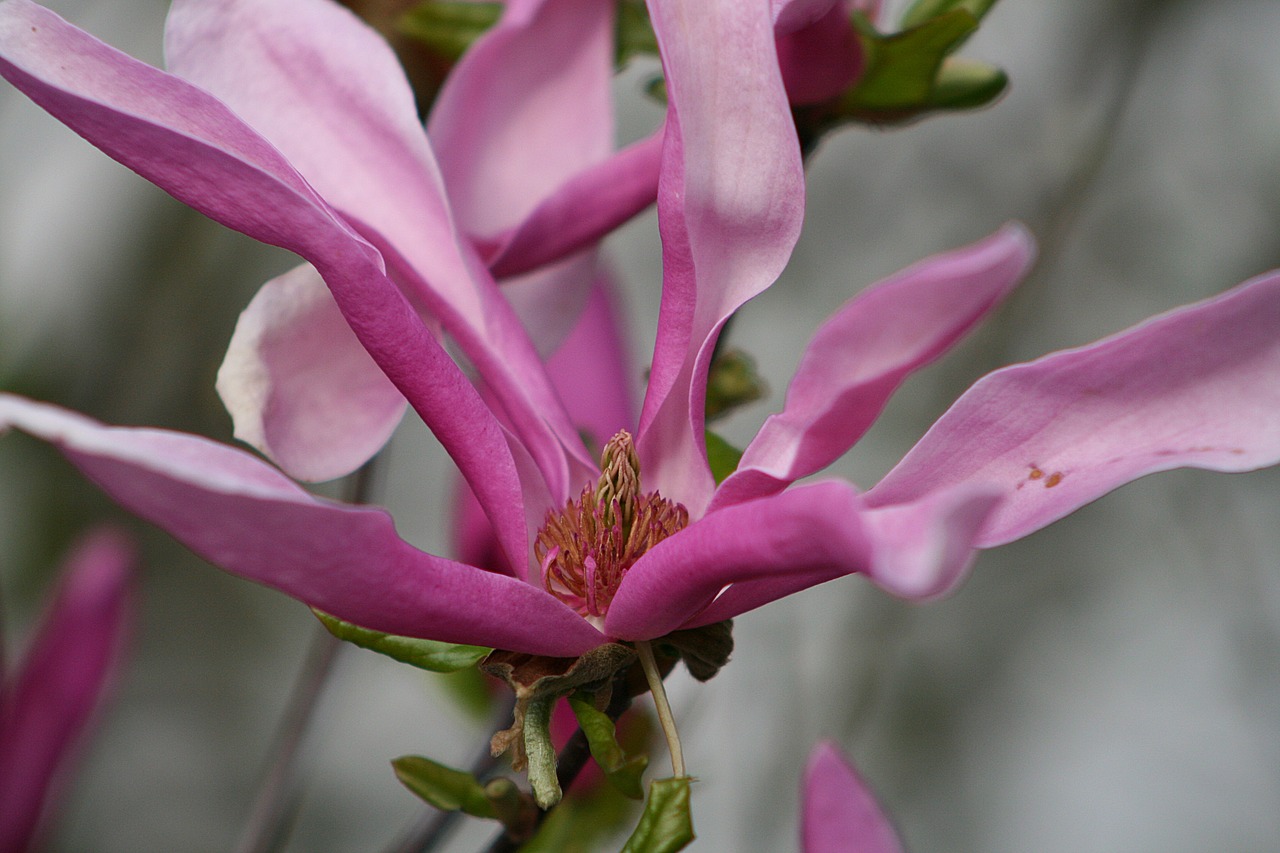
(663, 707)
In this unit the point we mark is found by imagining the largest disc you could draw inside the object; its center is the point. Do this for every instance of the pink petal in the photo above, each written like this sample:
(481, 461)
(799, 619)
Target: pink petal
(778, 545)
(821, 59)
(529, 106)
(193, 147)
(329, 93)
(1192, 388)
(592, 371)
(730, 203)
(920, 551)
(586, 208)
(863, 353)
(299, 385)
(52, 697)
(840, 813)
(244, 516)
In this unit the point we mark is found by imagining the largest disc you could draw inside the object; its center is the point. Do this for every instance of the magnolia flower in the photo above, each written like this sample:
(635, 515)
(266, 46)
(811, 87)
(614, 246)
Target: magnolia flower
(46, 703)
(651, 544)
(839, 814)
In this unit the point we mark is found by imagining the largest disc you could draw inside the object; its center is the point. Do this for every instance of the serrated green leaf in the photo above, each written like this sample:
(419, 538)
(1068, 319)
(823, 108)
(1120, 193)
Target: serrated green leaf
(902, 68)
(667, 823)
(926, 10)
(623, 772)
(722, 456)
(448, 28)
(446, 788)
(425, 654)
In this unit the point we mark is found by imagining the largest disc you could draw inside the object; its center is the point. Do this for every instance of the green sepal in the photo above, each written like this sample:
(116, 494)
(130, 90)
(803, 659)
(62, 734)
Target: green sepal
(448, 28)
(704, 650)
(541, 753)
(965, 84)
(923, 11)
(623, 772)
(901, 68)
(667, 823)
(446, 788)
(722, 456)
(430, 655)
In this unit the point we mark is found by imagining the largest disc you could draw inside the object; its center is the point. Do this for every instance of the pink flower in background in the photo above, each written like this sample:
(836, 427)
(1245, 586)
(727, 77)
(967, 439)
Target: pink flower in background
(47, 701)
(839, 813)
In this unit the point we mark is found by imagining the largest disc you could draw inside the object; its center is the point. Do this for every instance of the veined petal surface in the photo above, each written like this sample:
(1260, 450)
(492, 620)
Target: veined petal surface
(730, 204)
(1192, 388)
(242, 515)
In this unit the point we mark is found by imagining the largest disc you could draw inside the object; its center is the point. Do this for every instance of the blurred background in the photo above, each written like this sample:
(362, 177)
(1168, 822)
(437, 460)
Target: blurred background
(1112, 683)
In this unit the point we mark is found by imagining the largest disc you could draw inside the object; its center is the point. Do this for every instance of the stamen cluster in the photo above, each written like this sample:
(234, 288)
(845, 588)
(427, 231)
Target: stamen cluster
(586, 548)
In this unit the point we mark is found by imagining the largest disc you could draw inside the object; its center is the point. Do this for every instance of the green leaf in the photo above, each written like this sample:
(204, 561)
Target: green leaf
(446, 788)
(634, 32)
(667, 824)
(923, 11)
(425, 654)
(722, 456)
(449, 28)
(622, 771)
(964, 84)
(901, 68)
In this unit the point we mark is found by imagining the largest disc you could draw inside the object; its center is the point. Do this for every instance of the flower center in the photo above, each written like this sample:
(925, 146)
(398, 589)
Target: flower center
(587, 547)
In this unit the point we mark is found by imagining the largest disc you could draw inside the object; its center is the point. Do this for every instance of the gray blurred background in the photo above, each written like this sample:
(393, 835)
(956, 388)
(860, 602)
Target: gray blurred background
(1112, 683)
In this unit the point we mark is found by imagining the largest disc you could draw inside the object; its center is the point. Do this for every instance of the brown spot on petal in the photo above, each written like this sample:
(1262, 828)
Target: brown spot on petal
(1035, 474)
(1054, 479)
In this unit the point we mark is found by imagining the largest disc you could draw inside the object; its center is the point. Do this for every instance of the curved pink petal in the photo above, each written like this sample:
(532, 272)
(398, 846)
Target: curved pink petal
(840, 814)
(299, 385)
(920, 551)
(53, 695)
(1192, 388)
(820, 59)
(586, 208)
(863, 353)
(329, 93)
(549, 301)
(529, 106)
(244, 516)
(730, 204)
(592, 369)
(192, 146)
(780, 544)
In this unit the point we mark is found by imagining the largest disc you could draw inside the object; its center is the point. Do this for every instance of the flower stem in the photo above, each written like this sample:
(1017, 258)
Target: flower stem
(663, 707)
(276, 802)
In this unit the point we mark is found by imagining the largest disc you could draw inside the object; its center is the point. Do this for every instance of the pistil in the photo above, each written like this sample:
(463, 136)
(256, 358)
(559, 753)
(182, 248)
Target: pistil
(585, 549)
